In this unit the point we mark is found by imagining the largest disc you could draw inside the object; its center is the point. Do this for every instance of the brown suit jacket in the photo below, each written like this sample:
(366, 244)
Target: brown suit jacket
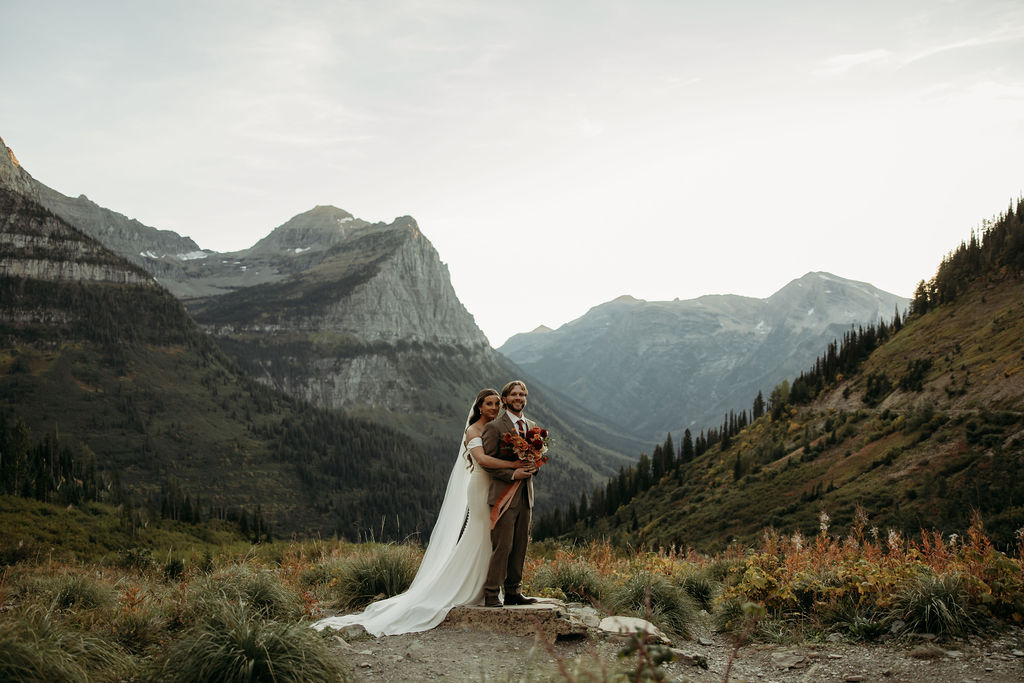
(501, 477)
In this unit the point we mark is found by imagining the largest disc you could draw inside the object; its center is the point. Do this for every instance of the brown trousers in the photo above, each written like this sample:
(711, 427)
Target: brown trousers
(509, 539)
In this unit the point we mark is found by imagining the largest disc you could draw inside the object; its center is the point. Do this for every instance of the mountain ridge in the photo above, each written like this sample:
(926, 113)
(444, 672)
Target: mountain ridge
(658, 366)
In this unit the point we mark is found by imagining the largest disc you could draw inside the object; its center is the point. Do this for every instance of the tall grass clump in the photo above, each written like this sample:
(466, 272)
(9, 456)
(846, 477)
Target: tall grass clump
(935, 603)
(701, 588)
(654, 597)
(233, 644)
(576, 579)
(34, 646)
(80, 591)
(260, 590)
(379, 572)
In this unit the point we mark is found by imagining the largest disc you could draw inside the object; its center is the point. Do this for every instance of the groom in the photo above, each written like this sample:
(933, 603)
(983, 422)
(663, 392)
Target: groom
(511, 534)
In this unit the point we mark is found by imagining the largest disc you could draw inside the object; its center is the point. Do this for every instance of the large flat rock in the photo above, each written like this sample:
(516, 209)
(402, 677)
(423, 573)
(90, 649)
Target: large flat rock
(550, 620)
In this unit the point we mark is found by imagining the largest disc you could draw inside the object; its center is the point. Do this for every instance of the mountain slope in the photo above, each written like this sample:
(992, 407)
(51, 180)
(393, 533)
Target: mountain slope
(656, 366)
(93, 351)
(923, 430)
(351, 316)
(374, 328)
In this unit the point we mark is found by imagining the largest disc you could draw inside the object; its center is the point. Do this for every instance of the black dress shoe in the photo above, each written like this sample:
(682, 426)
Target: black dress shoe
(492, 602)
(519, 599)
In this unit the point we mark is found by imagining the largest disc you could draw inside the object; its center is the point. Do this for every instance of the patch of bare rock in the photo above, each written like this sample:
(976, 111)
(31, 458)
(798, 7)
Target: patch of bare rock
(554, 641)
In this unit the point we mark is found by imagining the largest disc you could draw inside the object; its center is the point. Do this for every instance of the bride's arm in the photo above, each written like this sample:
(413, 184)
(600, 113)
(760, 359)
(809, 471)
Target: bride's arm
(485, 460)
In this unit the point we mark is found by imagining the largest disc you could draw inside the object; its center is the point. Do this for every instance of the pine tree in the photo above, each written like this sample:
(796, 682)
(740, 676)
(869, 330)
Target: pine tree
(758, 409)
(686, 453)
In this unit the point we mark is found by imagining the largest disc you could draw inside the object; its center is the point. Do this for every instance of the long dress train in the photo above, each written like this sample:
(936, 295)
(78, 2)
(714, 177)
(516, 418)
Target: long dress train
(453, 569)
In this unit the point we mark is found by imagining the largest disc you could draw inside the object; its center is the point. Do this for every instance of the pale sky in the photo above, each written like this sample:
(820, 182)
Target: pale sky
(557, 153)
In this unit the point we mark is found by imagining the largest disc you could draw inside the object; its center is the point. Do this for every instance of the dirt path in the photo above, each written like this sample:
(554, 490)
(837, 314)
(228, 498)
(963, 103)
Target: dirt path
(458, 654)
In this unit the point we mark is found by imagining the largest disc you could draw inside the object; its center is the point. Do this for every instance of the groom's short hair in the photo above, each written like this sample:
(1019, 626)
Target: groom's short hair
(507, 389)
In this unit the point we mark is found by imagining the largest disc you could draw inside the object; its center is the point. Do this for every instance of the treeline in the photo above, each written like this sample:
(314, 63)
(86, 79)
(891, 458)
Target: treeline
(52, 470)
(46, 469)
(998, 251)
(364, 479)
(103, 313)
(665, 460)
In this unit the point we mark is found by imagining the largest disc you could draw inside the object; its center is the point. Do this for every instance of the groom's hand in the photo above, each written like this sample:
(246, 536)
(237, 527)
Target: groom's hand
(527, 472)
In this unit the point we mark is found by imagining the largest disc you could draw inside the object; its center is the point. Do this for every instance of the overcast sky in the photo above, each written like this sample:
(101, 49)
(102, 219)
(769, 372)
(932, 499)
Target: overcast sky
(557, 153)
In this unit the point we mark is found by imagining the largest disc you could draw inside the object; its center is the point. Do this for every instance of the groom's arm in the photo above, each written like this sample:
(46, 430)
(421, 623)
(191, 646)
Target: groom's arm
(492, 442)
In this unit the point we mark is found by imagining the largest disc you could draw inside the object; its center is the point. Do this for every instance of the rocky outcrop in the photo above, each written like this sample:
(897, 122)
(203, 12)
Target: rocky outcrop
(320, 228)
(651, 367)
(409, 298)
(125, 236)
(36, 244)
(13, 176)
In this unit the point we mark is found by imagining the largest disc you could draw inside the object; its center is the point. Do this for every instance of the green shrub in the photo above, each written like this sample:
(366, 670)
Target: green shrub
(174, 569)
(852, 620)
(577, 580)
(939, 604)
(655, 598)
(234, 644)
(725, 571)
(139, 559)
(379, 573)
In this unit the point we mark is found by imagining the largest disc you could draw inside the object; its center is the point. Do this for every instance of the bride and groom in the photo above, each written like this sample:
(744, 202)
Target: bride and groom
(467, 562)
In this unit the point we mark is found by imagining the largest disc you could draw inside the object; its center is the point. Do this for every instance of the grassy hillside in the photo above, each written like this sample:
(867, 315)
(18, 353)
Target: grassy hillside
(918, 428)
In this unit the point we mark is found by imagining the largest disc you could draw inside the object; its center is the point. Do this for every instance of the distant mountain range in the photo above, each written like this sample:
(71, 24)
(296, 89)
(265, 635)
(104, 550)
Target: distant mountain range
(651, 367)
(328, 310)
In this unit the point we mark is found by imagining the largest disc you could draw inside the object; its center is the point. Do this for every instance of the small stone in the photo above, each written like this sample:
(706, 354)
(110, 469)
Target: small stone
(834, 637)
(814, 673)
(927, 651)
(834, 656)
(989, 669)
(925, 636)
(705, 642)
(788, 660)
(954, 654)
(366, 652)
(365, 665)
(625, 626)
(691, 658)
(854, 678)
(414, 651)
(897, 626)
(1018, 653)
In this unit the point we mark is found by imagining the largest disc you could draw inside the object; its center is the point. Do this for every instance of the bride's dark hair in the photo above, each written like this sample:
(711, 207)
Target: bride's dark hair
(484, 393)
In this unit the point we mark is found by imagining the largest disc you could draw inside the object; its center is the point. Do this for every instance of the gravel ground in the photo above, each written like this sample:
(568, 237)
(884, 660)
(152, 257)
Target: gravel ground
(457, 654)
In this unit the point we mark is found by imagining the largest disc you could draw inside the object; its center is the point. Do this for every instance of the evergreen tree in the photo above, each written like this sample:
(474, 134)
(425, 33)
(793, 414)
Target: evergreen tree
(686, 453)
(758, 409)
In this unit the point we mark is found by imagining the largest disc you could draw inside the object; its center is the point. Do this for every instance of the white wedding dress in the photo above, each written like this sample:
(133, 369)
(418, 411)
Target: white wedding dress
(453, 569)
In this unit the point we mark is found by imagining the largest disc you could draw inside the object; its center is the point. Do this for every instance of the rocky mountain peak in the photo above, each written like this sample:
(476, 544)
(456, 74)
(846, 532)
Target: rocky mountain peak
(320, 228)
(12, 175)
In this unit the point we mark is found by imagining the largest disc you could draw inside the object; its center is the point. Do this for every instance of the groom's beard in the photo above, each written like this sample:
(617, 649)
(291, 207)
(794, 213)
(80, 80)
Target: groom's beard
(513, 409)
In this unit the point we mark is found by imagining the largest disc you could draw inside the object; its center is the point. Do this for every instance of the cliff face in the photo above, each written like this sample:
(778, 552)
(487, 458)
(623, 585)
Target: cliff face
(13, 176)
(35, 244)
(374, 324)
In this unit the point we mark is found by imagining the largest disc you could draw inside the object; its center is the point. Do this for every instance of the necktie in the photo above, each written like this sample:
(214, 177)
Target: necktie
(521, 424)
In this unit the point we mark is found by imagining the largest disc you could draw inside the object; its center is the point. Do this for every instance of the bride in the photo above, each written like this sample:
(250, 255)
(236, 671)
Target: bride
(453, 568)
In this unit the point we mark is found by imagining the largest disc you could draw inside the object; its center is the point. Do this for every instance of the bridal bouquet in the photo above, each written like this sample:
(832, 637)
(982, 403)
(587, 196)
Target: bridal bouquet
(533, 448)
